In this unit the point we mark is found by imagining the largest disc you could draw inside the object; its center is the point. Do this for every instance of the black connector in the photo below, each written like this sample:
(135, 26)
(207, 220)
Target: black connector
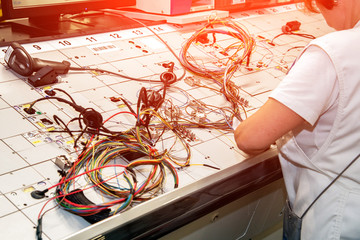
(30, 111)
(44, 76)
(39, 229)
(37, 194)
(46, 121)
(50, 93)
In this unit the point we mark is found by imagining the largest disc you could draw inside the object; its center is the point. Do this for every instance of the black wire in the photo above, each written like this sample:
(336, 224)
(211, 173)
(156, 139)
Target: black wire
(39, 229)
(81, 117)
(75, 106)
(128, 105)
(67, 94)
(80, 135)
(332, 182)
(99, 131)
(57, 120)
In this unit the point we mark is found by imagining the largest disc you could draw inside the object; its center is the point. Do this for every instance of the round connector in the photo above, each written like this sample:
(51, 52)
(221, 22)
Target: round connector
(92, 118)
(37, 194)
(168, 78)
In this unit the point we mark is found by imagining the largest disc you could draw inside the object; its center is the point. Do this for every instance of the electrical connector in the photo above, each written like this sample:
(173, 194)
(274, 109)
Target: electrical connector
(44, 76)
(63, 162)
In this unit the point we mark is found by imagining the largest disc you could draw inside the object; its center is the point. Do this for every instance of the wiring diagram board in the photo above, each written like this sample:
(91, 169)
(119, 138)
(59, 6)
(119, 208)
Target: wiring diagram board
(127, 128)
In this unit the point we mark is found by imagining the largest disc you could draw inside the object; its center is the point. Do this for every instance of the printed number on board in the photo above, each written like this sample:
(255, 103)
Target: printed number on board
(137, 32)
(115, 35)
(65, 43)
(158, 29)
(91, 39)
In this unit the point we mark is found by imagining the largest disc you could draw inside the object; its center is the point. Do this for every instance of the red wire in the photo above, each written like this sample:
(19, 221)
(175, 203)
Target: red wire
(118, 114)
(63, 195)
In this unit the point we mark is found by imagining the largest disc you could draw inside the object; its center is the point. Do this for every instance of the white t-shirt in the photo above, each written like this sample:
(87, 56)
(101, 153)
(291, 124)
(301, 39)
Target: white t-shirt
(311, 90)
(324, 88)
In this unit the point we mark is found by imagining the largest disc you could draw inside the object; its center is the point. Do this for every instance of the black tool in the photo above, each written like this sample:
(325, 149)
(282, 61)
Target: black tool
(20, 61)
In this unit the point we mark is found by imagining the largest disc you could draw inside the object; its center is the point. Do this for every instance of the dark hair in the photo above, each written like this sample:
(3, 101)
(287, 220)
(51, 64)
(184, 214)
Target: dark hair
(311, 4)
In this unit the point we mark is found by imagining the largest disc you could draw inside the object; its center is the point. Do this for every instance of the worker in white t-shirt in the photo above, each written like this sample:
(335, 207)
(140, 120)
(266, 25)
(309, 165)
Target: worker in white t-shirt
(314, 115)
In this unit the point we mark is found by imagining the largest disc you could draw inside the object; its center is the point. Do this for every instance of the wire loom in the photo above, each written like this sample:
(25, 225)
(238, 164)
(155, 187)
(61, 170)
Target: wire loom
(121, 185)
(245, 45)
(94, 160)
(237, 54)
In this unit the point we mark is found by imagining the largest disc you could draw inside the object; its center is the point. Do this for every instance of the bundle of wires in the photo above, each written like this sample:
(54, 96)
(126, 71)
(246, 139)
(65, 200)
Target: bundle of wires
(119, 184)
(242, 48)
(238, 53)
(119, 188)
(199, 115)
(167, 125)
